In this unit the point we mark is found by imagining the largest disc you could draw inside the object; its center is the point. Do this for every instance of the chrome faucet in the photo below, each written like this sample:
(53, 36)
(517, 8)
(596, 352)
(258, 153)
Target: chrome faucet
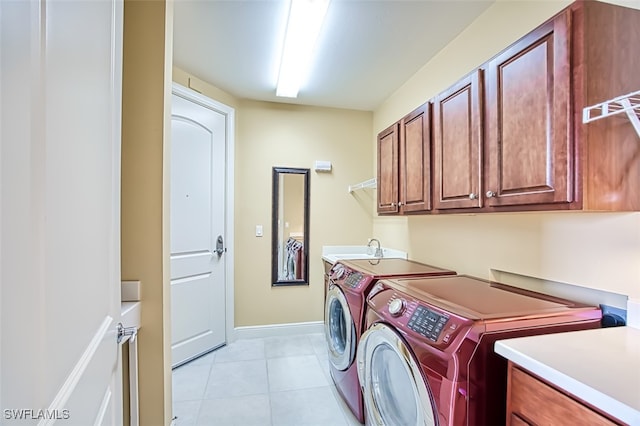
(378, 252)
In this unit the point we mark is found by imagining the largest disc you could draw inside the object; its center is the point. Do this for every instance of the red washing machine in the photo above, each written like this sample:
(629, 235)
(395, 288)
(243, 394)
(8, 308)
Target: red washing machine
(350, 282)
(426, 357)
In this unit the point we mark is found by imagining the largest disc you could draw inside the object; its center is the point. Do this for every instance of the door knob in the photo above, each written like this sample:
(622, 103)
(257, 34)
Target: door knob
(491, 194)
(472, 196)
(220, 248)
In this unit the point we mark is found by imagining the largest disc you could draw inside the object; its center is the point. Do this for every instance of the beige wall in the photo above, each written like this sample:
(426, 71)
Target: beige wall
(144, 233)
(271, 135)
(192, 82)
(596, 251)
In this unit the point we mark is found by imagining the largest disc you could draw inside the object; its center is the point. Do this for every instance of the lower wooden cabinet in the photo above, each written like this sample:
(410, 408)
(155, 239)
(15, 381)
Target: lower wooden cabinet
(531, 401)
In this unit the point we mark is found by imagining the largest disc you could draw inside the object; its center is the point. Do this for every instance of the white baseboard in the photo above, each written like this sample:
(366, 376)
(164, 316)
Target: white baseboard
(276, 330)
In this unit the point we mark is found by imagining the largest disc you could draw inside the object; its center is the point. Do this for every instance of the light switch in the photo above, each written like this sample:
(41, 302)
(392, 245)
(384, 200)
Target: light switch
(258, 230)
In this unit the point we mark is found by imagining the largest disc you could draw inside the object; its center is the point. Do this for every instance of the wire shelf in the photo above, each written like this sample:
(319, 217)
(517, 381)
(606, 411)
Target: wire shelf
(627, 104)
(370, 183)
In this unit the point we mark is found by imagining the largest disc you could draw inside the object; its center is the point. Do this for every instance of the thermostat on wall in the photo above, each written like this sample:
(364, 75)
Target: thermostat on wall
(322, 166)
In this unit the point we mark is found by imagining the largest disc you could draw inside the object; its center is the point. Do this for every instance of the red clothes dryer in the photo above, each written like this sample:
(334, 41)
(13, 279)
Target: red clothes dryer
(350, 282)
(427, 355)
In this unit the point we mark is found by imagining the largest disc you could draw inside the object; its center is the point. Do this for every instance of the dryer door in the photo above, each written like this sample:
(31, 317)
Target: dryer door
(392, 385)
(339, 329)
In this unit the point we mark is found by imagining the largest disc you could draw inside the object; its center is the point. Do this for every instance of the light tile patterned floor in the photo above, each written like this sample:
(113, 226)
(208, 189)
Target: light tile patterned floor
(275, 381)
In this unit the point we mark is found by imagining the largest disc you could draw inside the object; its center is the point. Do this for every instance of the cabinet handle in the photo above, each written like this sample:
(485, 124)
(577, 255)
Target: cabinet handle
(400, 204)
(472, 196)
(491, 194)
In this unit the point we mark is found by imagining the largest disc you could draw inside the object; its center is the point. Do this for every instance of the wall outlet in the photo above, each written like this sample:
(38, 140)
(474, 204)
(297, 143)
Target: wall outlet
(612, 316)
(258, 230)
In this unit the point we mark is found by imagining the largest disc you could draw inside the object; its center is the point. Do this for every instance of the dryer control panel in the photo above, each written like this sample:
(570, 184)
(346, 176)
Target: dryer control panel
(436, 325)
(427, 322)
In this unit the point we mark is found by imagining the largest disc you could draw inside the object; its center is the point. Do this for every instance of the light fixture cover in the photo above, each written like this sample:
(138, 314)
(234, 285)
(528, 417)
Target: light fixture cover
(303, 27)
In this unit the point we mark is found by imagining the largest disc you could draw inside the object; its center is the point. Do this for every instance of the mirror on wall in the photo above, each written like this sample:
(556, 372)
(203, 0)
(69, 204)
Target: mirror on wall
(290, 227)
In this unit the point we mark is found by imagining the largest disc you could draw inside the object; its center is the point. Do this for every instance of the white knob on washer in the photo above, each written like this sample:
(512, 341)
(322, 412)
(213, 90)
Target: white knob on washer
(396, 307)
(339, 271)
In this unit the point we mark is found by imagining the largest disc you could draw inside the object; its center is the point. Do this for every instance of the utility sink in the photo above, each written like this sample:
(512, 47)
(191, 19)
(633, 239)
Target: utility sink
(332, 254)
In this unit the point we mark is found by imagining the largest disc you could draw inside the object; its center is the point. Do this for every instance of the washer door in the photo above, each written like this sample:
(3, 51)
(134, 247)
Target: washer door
(339, 329)
(392, 385)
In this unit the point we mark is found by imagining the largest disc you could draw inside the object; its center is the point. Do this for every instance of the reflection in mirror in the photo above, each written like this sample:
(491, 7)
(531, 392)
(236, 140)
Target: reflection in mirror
(290, 226)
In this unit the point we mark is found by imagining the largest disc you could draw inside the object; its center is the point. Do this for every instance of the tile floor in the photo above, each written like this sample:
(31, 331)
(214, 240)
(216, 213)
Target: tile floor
(274, 381)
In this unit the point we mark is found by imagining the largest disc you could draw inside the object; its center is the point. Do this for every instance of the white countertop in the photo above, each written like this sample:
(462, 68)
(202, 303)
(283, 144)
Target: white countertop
(130, 314)
(334, 253)
(601, 367)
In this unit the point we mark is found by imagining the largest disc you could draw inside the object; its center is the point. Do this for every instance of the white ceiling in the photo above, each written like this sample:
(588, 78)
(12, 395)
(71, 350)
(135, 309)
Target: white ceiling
(367, 48)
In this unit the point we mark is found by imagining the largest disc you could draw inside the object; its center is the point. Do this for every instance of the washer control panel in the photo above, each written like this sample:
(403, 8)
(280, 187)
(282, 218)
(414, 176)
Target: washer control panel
(427, 322)
(353, 279)
(397, 307)
(338, 271)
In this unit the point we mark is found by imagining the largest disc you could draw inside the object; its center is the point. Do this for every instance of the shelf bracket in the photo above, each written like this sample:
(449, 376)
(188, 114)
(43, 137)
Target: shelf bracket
(628, 104)
(371, 183)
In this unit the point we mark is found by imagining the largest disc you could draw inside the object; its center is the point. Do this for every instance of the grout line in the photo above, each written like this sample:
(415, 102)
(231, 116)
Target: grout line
(266, 367)
(321, 362)
(204, 392)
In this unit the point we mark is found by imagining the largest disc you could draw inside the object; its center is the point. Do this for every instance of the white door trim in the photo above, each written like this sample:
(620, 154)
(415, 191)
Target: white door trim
(229, 114)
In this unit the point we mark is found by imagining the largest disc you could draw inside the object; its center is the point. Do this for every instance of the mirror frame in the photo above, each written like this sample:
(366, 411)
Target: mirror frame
(277, 171)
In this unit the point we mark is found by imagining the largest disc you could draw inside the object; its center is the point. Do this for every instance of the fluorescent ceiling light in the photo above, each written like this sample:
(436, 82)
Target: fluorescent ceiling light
(303, 26)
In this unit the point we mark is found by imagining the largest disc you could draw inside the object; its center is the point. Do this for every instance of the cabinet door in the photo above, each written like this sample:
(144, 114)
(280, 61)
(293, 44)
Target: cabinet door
(415, 161)
(532, 401)
(388, 170)
(458, 145)
(528, 118)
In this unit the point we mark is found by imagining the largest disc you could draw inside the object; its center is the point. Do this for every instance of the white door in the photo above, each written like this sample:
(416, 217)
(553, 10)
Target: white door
(198, 135)
(60, 95)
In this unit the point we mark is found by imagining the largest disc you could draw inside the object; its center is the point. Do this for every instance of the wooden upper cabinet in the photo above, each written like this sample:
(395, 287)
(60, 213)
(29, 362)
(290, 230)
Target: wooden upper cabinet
(388, 170)
(415, 160)
(457, 141)
(606, 52)
(510, 136)
(529, 145)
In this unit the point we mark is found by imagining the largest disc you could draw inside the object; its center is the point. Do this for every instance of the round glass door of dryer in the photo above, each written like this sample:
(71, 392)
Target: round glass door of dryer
(392, 386)
(340, 331)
